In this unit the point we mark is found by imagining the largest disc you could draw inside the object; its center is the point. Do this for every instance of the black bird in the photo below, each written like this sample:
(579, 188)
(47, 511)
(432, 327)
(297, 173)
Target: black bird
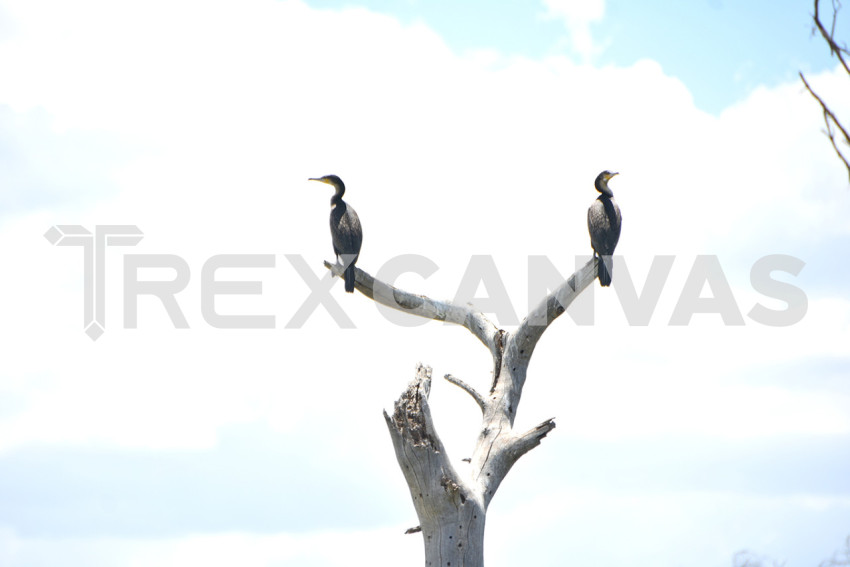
(603, 222)
(346, 232)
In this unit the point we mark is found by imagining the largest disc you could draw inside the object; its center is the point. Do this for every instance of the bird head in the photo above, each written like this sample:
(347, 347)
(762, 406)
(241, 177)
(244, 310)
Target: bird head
(601, 182)
(332, 180)
(606, 175)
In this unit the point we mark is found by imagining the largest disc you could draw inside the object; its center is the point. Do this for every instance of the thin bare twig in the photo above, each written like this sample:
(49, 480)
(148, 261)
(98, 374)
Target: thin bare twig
(829, 118)
(829, 36)
(479, 399)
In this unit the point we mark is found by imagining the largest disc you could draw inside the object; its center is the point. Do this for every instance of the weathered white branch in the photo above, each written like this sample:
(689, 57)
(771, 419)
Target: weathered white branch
(423, 306)
(531, 439)
(525, 338)
(482, 403)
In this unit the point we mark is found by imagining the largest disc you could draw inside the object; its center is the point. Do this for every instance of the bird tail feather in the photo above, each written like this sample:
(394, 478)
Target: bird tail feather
(349, 278)
(604, 271)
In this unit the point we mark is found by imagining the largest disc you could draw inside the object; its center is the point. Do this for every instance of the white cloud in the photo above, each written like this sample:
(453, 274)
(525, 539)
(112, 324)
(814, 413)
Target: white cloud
(232, 122)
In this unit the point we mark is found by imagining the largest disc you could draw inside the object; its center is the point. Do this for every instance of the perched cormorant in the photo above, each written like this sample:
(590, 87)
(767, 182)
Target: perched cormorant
(346, 233)
(603, 223)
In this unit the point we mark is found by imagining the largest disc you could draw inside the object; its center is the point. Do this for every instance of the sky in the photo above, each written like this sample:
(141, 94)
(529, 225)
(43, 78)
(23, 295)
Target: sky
(468, 137)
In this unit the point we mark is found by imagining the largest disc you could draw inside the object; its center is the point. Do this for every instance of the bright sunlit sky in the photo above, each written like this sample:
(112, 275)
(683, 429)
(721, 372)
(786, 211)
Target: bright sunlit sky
(461, 131)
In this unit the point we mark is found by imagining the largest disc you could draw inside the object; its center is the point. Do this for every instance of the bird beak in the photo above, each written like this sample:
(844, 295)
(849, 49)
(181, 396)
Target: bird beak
(319, 179)
(613, 174)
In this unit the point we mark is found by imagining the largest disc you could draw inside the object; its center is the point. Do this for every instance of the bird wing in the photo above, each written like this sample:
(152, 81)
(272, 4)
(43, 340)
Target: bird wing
(597, 224)
(346, 232)
(615, 221)
(603, 224)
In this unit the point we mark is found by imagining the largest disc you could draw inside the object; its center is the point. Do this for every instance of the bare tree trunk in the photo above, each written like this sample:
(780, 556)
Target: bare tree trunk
(451, 514)
(452, 506)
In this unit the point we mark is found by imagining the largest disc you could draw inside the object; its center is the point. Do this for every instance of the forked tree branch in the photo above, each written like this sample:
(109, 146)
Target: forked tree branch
(830, 120)
(526, 335)
(829, 36)
(511, 352)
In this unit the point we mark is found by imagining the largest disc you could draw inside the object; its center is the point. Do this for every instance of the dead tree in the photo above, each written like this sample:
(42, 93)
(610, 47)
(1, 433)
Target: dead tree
(452, 505)
(833, 125)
